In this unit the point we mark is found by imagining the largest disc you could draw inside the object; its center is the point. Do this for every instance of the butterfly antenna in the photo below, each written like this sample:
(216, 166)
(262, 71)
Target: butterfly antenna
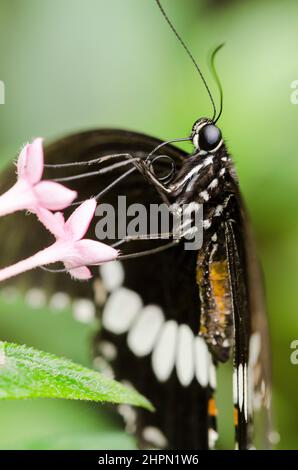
(189, 55)
(217, 79)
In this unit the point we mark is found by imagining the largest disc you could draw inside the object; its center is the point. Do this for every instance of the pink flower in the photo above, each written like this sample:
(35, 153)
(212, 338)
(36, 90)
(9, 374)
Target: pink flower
(29, 192)
(70, 247)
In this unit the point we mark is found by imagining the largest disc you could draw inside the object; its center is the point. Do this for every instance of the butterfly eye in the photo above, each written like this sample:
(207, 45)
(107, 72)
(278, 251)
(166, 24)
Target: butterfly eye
(209, 137)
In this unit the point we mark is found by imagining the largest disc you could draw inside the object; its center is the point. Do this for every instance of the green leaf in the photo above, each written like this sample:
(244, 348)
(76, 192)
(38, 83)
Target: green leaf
(107, 440)
(28, 373)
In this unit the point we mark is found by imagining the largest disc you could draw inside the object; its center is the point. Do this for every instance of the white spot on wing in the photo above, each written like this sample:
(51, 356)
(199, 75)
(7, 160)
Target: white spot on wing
(245, 391)
(212, 438)
(83, 310)
(154, 436)
(254, 348)
(100, 292)
(240, 386)
(163, 357)
(257, 401)
(59, 301)
(235, 387)
(101, 365)
(112, 275)
(201, 361)
(120, 310)
(185, 365)
(35, 298)
(129, 415)
(212, 373)
(250, 390)
(144, 332)
(108, 350)
(273, 437)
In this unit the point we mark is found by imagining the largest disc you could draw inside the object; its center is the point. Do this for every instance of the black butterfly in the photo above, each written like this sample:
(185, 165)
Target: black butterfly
(168, 319)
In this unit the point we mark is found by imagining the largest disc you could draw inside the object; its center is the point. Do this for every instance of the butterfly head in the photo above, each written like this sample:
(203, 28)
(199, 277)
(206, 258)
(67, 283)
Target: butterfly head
(206, 136)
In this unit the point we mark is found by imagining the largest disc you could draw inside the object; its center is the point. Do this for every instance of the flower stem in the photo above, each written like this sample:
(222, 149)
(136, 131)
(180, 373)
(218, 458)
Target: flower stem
(52, 254)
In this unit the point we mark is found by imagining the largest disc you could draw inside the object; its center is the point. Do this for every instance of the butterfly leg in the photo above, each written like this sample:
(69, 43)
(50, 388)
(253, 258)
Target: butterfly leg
(172, 243)
(129, 160)
(149, 236)
(153, 251)
(144, 169)
(182, 228)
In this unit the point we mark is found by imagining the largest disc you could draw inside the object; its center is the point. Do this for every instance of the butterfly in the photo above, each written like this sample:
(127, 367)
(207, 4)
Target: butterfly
(169, 316)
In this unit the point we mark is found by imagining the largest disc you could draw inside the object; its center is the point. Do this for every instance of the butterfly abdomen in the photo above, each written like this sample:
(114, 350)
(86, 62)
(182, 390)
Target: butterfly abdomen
(216, 322)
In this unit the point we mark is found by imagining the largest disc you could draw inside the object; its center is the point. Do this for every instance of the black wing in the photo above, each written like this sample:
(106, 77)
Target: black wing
(175, 370)
(252, 368)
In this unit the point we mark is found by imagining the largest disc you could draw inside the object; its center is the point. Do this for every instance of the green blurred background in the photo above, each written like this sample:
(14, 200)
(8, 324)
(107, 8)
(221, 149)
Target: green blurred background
(70, 65)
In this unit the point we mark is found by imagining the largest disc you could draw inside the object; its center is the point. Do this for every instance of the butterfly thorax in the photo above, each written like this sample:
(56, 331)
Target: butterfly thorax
(209, 179)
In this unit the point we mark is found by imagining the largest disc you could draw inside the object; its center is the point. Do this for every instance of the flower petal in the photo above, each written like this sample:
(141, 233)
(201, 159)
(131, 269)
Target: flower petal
(93, 252)
(79, 221)
(60, 218)
(22, 162)
(53, 222)
(30, 162)
(19, 197)
(82, 273)
(54, 196)
(52, 254)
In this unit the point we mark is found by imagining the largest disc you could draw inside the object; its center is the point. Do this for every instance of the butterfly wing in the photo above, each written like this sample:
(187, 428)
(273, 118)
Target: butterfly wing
(150, 307)
(156, 347)
(252, 370)
(150, 313)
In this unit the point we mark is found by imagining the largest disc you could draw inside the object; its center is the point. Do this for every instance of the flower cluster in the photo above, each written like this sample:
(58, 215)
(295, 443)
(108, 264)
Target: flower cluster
(43, 198)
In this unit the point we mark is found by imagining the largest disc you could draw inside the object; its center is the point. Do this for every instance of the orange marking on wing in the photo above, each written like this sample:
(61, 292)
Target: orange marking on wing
(236, 420)
(212, 410)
